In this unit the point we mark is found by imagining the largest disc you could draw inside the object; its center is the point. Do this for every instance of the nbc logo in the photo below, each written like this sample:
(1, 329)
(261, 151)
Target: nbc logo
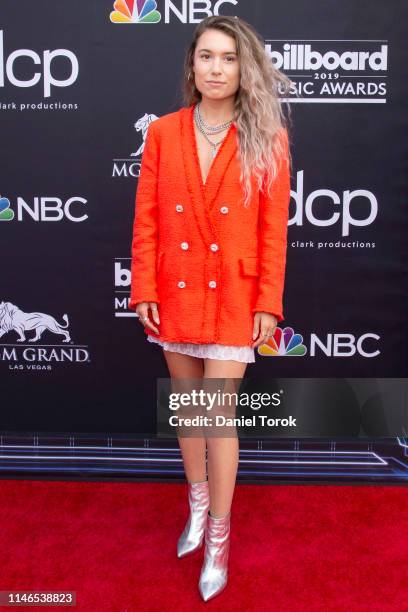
(283, 343)
(135, 11)
(6, 213)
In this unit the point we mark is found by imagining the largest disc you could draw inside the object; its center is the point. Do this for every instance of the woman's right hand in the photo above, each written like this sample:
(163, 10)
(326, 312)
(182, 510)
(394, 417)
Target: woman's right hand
(142, 310)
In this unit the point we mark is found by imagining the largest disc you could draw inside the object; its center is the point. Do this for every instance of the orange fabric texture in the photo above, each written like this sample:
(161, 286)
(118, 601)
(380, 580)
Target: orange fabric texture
(209, 262)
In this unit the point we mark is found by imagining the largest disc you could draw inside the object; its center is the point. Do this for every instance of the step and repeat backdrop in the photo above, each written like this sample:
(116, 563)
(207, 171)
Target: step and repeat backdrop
(79, 84)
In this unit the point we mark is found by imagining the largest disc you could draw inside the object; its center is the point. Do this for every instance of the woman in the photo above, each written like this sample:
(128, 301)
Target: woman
(209, 248)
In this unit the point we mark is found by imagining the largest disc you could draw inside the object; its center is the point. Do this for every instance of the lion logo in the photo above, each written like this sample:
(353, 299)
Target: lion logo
(12, 317)
(143, 124)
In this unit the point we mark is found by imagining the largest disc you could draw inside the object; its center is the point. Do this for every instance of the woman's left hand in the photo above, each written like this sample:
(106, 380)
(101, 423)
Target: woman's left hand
(264, 327)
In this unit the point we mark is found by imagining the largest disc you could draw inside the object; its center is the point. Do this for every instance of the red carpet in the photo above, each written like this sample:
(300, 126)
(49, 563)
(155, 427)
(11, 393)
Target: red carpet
(293, 547)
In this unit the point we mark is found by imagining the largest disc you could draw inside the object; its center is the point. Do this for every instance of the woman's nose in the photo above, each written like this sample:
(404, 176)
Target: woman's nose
(216, 66)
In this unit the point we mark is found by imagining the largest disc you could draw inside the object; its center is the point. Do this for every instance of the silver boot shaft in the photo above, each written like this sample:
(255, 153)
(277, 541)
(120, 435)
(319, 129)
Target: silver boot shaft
(193, 534)
(214, 573)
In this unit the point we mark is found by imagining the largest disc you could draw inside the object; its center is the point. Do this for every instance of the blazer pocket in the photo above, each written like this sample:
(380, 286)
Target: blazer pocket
(249, 266)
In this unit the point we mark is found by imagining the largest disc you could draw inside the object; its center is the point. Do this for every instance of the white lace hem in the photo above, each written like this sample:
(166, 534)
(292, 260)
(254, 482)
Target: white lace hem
(211, 351)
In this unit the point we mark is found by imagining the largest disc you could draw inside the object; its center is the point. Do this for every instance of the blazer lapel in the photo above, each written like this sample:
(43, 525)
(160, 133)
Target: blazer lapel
(219, 166)
(194, 183)
(203, 196)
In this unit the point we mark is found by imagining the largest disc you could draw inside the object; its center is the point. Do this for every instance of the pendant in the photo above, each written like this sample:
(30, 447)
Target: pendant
(214, 152)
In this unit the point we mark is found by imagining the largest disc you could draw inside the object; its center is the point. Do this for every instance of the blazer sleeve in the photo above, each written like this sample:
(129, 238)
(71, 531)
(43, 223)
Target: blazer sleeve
(273, 229)
(145, 225)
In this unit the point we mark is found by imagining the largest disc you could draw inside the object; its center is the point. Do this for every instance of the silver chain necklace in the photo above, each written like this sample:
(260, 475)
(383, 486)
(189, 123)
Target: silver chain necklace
(209, 129)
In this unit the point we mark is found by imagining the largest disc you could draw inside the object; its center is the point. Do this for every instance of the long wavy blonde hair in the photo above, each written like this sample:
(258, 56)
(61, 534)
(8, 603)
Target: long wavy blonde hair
(258, 113)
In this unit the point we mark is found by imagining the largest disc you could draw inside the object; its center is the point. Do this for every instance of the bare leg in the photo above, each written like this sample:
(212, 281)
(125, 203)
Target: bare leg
(193, 449)
(223, 453)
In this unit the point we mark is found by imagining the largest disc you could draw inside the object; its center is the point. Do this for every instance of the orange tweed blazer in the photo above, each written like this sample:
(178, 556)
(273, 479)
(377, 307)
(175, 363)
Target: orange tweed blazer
(209, 262)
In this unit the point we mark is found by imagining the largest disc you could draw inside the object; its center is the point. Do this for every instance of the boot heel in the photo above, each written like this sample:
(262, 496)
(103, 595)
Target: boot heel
(214, 572)
(192, 536)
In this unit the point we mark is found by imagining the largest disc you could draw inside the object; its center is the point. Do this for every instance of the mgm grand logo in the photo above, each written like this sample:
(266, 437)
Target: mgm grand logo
(130, 166)
(28, 352)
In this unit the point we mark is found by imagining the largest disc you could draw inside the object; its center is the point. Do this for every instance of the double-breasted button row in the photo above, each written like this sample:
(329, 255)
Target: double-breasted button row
(184, 245)
(212, 284)
(223, 209)
(214, 247)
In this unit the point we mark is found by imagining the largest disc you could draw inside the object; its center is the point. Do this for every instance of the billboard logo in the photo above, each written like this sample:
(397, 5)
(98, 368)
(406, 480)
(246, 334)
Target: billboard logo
(122, 288)
(333, 70)
(302, 57)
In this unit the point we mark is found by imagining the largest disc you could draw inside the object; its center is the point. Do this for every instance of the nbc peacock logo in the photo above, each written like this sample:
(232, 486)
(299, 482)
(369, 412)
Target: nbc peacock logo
(283, 343)
(6, 213)
(135, 11)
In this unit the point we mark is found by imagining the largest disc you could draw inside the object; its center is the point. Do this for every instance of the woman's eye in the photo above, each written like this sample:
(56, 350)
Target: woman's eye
(206, 56)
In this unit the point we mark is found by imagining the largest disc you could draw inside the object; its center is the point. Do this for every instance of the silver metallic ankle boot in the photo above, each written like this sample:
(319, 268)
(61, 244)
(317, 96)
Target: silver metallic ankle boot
(193, 535)
(214, 572)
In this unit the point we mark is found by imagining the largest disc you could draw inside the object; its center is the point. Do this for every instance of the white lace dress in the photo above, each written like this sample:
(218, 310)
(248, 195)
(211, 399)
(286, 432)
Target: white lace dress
(245, 354)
